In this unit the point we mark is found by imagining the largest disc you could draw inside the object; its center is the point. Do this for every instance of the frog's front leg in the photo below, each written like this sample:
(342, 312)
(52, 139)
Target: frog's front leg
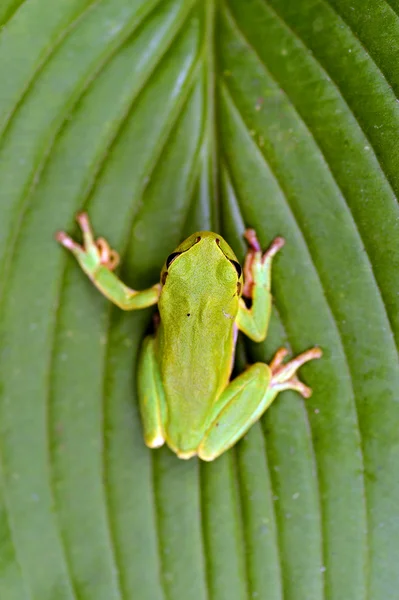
(151, 395)
(248, 396)
(254, 321)
(98, 261)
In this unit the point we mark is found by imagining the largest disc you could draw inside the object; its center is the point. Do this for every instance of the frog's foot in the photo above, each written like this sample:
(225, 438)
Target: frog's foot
(254, 255)
(284, 374)
(95, 252)
(185, 455)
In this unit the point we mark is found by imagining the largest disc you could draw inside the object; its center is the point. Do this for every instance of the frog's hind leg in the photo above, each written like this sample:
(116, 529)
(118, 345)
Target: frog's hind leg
(239, 406)
(151, 395)
(248, 396)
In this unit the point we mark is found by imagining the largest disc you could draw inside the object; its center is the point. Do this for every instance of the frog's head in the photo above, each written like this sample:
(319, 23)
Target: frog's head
(204, 264)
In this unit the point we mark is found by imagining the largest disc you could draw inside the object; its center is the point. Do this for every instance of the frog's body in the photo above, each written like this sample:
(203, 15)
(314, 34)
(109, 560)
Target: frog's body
(198, 308)
(186, 397)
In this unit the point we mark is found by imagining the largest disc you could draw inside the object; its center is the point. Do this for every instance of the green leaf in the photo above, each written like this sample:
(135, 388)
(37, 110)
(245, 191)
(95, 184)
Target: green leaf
(161, 117)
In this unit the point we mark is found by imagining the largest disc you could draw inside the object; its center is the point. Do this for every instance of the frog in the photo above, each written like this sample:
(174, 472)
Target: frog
(186, 394)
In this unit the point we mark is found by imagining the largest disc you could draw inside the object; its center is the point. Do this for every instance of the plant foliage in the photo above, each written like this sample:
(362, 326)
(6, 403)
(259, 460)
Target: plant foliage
(161, 117)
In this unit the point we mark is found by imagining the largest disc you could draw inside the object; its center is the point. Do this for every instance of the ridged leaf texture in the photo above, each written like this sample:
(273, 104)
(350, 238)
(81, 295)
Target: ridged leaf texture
(161, 117)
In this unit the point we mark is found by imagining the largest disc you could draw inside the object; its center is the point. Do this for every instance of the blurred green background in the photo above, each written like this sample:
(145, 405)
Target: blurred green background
(161, 117)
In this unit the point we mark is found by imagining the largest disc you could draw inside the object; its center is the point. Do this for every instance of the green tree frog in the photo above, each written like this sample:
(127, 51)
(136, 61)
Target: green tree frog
(185, 394)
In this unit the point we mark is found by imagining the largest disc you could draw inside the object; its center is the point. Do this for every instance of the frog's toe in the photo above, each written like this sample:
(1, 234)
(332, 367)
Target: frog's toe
(67, 241)
(155, 441)
(108, 257)
(284, 374)
(186, 454)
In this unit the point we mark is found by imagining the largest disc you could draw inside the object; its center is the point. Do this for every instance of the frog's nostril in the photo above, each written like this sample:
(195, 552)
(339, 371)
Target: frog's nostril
(198, 239)
(217, 241)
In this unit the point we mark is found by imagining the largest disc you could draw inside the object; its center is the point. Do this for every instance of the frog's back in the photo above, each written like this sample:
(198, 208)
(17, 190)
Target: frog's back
(198, 306)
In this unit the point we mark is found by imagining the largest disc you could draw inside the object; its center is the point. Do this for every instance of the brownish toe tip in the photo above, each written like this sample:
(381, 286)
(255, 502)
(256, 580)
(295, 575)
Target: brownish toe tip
(279, 242)
(249, 232)
(63, 238)
(66, 241)
(252, 239)
(83, 219)
(317, 352)
(275, 246)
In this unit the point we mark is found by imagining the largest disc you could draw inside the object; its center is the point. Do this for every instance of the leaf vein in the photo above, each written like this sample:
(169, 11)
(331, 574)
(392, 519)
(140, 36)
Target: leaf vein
(346, 360)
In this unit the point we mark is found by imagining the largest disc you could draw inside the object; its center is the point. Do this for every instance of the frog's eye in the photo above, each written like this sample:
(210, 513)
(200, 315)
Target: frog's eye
(171, 258)
(237, 267)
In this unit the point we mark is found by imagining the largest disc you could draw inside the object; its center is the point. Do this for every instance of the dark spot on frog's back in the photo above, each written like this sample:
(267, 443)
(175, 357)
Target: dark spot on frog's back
(188, 314)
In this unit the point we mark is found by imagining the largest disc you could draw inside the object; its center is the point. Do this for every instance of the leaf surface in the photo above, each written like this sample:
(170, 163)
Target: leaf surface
(160, 117)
